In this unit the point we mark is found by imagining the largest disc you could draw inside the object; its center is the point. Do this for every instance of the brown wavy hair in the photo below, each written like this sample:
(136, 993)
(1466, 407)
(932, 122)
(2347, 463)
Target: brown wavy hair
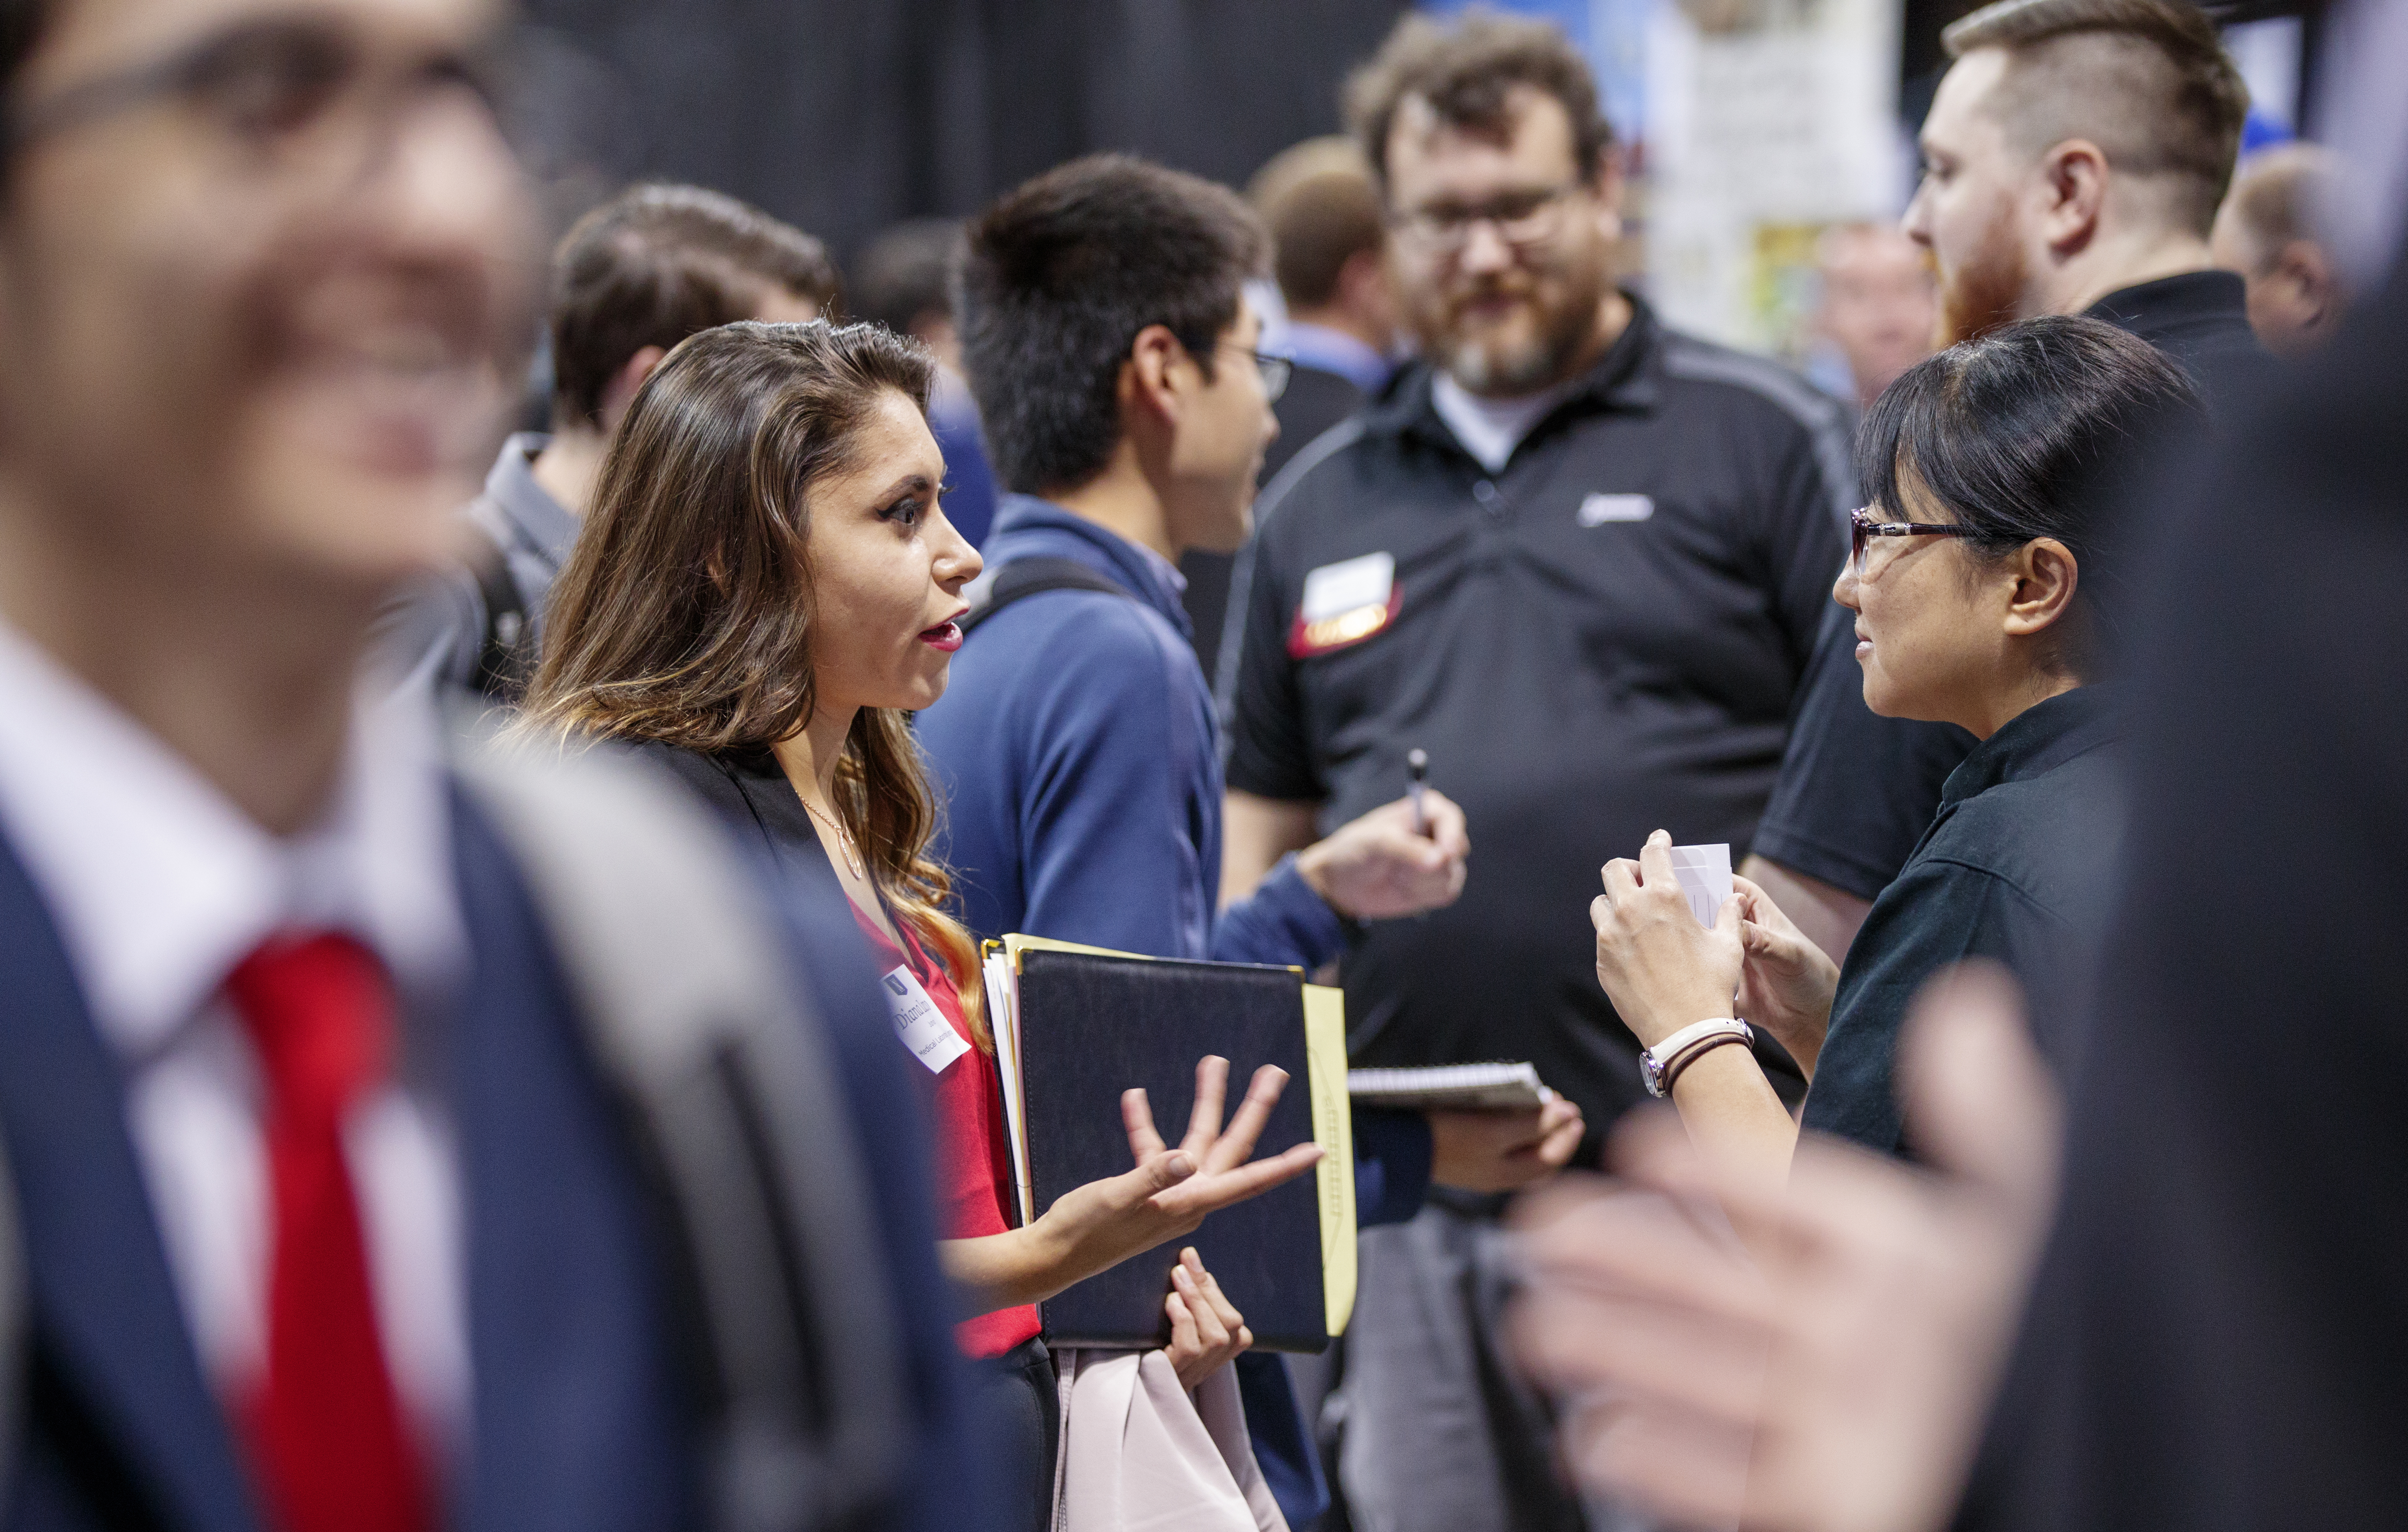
(685, 613)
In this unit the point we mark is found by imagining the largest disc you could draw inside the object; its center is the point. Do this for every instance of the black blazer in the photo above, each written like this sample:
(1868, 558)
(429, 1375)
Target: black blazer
(749, 793)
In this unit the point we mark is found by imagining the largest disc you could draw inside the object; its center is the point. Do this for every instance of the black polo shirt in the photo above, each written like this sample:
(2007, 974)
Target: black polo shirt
(1602, 639)
(2017, 867)
(1858, 790)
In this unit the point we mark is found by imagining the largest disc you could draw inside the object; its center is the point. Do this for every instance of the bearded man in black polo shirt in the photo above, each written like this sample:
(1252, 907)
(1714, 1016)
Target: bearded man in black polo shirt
(2073, 161)
(1578, 559)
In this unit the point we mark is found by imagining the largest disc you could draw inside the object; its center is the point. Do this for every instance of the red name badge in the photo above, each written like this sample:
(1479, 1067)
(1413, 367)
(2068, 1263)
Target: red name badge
(1344, 604)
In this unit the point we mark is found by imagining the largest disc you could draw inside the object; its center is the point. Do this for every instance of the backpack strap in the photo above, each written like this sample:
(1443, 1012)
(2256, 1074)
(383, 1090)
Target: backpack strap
(1023, 578)
(690, 1010)
(504, 659)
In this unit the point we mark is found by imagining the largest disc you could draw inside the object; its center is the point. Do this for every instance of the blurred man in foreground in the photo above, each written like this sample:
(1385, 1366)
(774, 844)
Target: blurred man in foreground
(2275, 230)
(338, 1188)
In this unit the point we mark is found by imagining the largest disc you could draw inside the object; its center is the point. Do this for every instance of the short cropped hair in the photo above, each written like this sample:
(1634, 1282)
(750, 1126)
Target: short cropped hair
(2045, 428)
(2147, 81)
(1322, 209)
(2282, 195)
(906, 274)
(1058, 278)
(1464, 71)
(657, 263)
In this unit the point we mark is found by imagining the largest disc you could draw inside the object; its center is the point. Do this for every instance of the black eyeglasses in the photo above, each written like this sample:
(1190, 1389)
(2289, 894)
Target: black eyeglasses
(1863, 526)
(1524, 220)
(302, 97)
(1274, 370)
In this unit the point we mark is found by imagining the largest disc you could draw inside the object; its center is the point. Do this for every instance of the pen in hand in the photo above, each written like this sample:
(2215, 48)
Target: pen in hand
(1417, 762)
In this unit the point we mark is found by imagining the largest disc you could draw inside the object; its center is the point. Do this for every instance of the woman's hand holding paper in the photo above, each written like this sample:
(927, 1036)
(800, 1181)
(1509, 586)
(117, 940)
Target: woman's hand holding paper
(1662, 970)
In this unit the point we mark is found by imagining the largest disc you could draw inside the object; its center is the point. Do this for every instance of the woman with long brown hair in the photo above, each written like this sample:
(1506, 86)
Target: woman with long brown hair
(766, 586)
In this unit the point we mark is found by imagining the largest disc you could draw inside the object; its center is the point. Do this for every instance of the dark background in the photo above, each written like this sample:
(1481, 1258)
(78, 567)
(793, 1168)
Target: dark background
(844, 116)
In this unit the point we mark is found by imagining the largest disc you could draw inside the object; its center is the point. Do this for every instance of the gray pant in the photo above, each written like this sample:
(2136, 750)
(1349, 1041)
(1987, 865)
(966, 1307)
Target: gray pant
(1436, 1432)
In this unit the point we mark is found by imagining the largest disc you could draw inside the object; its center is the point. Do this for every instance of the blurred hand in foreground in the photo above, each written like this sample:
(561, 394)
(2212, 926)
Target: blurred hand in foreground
(1819, 1360)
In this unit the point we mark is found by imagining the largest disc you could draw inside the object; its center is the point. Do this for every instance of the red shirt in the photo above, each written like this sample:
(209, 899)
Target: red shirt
(973, 1148)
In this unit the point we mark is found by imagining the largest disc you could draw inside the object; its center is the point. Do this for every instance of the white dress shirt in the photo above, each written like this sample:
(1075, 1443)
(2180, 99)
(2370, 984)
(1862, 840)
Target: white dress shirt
(159, 886)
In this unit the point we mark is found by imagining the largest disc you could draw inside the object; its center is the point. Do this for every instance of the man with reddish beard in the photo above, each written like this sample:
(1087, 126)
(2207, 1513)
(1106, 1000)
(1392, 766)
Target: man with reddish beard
(2073, 161)
(1577, 559)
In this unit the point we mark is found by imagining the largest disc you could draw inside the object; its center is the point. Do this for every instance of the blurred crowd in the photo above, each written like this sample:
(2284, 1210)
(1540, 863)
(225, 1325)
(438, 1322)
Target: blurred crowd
(495, 1032)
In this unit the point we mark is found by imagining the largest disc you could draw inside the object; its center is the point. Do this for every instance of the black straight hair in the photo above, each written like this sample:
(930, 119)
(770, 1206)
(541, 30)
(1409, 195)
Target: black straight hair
(1058, 278)
(2045, 428)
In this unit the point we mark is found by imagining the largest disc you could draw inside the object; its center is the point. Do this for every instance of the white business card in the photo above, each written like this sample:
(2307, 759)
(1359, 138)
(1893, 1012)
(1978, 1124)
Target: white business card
(1705, 876)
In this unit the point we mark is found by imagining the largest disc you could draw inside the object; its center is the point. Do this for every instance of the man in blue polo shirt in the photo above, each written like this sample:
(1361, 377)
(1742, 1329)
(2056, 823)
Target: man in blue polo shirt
(1106, 334)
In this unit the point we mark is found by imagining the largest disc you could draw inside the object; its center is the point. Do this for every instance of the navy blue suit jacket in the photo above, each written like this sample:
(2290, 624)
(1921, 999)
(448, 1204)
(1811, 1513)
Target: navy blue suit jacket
(582, 1415)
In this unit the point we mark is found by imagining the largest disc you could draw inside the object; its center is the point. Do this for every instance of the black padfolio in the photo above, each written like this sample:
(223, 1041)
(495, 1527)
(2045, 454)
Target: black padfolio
(1090, 1027)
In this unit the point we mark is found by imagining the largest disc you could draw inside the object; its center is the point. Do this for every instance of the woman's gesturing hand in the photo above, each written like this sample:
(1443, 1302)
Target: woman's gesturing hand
(1787, 983)
(1662, 970)
(1104, 1222)
(1207, 1332)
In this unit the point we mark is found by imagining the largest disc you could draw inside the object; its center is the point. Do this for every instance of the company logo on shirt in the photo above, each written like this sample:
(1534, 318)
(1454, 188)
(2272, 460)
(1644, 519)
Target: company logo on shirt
(1598, 509)
(1344, 604)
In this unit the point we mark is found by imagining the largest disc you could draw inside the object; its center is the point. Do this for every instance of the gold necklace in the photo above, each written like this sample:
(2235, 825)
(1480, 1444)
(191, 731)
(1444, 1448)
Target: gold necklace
(844, 842)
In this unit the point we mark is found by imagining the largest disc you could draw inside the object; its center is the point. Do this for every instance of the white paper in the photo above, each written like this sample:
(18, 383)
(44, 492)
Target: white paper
(917, 1021)
(1003, 1021)
(1705, 876)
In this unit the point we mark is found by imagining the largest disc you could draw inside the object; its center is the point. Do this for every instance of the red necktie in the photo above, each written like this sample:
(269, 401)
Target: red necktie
(327, 1441)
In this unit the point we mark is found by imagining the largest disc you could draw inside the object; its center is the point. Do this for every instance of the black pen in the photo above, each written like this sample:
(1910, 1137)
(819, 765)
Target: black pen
(1417, 762)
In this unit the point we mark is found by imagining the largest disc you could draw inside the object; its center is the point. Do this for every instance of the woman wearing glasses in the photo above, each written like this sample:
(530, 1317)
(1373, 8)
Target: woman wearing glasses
(1982, 582)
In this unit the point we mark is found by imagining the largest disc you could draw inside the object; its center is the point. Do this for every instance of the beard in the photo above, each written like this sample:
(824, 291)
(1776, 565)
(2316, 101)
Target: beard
(1566, 299)
(1987, 289)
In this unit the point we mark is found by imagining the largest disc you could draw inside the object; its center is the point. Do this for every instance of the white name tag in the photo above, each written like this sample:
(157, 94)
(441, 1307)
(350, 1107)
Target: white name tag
(1335, 589)
(1598, 509)
(918, 1021)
